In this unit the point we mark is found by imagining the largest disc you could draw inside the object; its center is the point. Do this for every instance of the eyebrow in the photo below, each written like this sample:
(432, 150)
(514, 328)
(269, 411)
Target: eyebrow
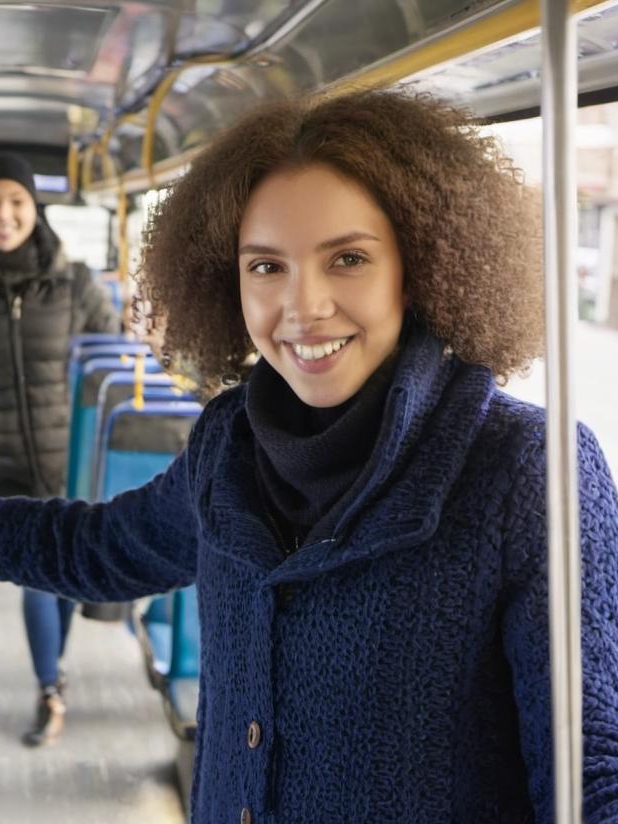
(342, 240)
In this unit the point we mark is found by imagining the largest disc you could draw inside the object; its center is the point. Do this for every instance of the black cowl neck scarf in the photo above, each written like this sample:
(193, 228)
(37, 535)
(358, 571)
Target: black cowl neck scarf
(307, 458)
(34, 258)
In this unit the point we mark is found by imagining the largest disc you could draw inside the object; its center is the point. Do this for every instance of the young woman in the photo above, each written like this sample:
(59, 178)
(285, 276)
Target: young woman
(364, 515)
(43, 301)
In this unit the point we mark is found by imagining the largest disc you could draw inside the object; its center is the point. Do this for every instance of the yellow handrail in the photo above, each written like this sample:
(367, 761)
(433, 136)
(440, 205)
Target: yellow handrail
(157, 98)
(123, 242)
(138, 386)
(480, 33)
(73, 167)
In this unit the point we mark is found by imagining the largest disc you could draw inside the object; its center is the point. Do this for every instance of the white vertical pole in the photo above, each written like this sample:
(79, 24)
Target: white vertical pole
(559, 107)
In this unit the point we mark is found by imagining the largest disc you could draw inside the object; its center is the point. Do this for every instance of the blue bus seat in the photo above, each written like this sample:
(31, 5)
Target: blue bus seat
(160, 645)
(184, 662)
(181, 696)
(172, 654)
(80, 343)
(84, 348)
(83, 417)
(117, 387)
(138, 443)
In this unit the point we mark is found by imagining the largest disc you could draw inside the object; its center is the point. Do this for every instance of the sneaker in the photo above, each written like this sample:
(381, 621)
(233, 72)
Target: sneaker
(49, 719)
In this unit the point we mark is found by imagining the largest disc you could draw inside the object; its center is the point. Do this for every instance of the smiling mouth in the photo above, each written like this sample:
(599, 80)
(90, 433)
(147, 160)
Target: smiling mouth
(317, 351)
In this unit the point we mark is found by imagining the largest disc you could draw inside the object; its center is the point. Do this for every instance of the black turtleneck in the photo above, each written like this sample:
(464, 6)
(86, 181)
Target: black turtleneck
(23, 259)
(36, 254)
(307, 457)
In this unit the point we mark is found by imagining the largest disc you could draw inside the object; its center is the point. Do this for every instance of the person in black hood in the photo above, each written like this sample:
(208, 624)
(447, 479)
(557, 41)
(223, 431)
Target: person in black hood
(44, 300)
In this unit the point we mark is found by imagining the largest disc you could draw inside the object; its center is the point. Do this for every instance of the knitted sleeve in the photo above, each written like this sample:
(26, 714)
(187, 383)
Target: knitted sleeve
(526, 626)
(141, 542)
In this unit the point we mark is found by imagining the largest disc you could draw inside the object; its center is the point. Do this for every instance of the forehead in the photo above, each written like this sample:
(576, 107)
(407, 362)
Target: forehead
(11, 188)
(313, 199)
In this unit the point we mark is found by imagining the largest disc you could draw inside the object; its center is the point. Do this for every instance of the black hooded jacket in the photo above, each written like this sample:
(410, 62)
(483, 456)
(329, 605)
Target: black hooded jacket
(44, 300)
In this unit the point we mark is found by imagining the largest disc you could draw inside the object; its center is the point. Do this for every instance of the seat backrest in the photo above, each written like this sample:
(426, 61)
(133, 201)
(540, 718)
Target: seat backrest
(83, 417)
(185, 660)
(120, 386)
(117, 387)
(137, 444)
(81, 352)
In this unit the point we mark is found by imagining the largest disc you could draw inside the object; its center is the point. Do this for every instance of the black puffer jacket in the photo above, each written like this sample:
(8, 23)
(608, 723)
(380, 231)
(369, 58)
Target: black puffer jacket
(44, 300)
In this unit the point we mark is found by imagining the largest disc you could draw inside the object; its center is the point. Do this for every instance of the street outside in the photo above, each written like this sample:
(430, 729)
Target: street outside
(596, 385)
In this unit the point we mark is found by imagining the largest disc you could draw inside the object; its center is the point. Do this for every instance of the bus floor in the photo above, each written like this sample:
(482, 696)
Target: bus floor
(114, 763)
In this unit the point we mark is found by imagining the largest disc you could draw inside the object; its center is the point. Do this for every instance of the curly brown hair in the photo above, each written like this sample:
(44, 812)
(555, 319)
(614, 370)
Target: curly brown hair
(468, 229)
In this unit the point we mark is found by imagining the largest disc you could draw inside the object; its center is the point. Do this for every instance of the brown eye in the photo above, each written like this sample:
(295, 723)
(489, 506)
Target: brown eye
(349, 260)
(266, 267)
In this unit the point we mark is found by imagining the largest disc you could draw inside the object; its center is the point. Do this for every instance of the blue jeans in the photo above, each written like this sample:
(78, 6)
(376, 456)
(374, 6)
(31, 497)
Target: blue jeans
(48, 619)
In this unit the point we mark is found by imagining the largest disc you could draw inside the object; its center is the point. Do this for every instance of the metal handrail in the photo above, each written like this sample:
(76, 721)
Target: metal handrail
(558, 108)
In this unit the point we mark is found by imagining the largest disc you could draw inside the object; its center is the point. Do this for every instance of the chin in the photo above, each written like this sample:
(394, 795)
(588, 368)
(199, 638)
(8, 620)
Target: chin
(321, 400)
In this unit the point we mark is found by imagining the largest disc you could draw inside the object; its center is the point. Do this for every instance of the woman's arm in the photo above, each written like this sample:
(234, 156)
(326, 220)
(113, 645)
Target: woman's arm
(141, 542)
(526, 628)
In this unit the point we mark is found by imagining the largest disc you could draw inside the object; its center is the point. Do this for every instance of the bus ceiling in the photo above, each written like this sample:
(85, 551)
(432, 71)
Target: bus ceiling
(129, 91)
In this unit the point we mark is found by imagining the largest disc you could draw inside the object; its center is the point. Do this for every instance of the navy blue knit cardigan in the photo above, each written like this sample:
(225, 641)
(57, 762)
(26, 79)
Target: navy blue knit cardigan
(407, 677)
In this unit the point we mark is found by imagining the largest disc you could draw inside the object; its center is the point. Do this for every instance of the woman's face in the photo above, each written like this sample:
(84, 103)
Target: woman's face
(321, 281)
(17, 215)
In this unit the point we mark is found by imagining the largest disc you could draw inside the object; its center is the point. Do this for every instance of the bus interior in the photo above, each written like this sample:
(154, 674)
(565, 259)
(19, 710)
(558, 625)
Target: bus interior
(110, 102)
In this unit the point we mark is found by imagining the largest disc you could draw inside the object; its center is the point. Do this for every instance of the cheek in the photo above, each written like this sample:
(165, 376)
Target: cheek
(27, 220)
(255, 312)
(386, 300)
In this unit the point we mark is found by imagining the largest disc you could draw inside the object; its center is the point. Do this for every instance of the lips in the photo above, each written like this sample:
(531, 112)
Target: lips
(313, 358)
(317, 351)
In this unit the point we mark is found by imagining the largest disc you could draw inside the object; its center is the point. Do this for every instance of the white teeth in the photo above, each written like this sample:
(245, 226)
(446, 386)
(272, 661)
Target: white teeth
(319, 350)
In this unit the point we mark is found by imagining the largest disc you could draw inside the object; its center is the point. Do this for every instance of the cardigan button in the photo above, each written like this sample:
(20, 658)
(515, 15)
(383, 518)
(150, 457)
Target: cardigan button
(245, 816)
(254, 735)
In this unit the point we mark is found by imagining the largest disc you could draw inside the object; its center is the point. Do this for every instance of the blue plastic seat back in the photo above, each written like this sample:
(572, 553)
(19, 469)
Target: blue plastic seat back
(123, 471)
(117, 387)
(160, 609)
(185, 653)
(80, 353)
(80, 343)
(137, 444)
(157, 622)
(172, 625)
(131, 454)
(83, 418)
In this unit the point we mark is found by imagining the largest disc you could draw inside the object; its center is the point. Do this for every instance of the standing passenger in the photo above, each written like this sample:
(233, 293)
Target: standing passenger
(364, 515)
(44, 300)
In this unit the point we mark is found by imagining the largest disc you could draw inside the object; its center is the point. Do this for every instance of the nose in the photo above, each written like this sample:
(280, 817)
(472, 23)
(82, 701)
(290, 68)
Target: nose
(6, 210)
(309, 297)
